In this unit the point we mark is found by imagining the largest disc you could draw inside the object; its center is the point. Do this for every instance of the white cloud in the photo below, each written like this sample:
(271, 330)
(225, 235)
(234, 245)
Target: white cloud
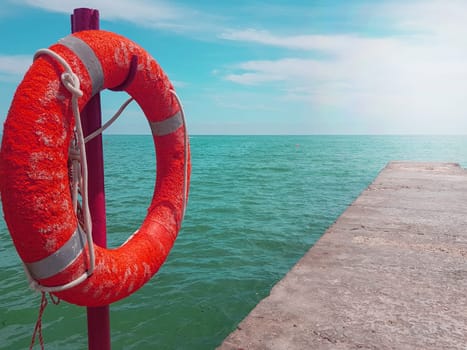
(179, 84)
(13, 67)
(330, 44)
(144, 13)
(437, 17)
(416, 79)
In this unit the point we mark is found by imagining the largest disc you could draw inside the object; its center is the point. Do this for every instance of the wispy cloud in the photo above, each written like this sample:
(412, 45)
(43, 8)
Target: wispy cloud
(13, 67)
(180, 83)
(329, 43)
(144, 13)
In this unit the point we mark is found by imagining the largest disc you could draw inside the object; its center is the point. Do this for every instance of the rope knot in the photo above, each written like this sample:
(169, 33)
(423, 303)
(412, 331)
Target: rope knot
(71, 81)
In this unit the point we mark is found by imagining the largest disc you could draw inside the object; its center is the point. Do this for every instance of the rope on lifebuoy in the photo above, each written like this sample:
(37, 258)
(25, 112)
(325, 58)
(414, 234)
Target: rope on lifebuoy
(109, 122)
(79, 174)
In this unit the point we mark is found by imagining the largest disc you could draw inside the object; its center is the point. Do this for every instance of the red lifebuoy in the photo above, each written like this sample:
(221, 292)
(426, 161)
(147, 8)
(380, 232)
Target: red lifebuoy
(34, 179)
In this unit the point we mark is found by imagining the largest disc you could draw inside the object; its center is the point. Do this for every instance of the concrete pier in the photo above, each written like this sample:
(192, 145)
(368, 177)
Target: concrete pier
(391, 273)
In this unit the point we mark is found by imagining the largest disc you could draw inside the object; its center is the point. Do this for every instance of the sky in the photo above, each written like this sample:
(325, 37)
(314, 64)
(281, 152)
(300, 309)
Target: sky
(275, 66)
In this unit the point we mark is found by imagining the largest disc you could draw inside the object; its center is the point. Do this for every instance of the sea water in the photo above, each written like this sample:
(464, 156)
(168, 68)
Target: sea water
(256, 205)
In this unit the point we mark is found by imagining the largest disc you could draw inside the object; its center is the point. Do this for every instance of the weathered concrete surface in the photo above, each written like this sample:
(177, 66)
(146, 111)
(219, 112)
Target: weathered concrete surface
(391, 273)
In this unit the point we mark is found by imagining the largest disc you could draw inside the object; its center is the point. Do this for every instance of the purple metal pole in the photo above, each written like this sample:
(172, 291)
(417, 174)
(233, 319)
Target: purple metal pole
(98, 317)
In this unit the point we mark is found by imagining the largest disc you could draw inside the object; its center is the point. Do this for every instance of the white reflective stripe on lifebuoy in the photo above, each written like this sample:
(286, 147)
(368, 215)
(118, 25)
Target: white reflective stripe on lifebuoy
(89, 59)
(61, 259)
(167, 126)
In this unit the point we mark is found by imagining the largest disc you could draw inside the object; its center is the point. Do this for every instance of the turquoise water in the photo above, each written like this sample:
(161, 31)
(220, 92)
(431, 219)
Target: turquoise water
(257, 204)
